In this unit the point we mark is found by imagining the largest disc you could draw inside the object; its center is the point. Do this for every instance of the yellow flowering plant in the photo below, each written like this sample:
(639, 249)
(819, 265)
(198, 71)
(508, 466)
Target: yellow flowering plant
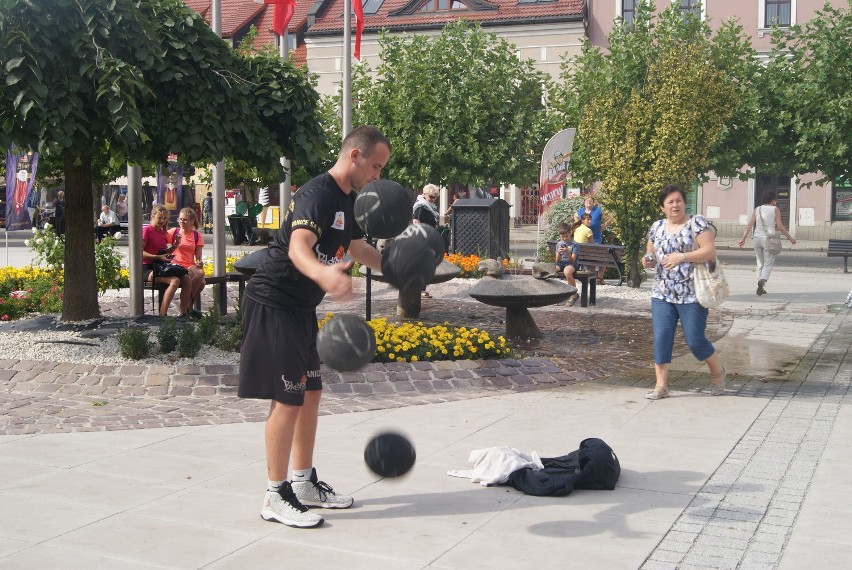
(413, 342)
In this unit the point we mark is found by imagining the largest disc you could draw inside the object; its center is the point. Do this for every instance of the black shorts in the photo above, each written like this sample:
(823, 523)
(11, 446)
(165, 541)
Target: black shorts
(278, 359)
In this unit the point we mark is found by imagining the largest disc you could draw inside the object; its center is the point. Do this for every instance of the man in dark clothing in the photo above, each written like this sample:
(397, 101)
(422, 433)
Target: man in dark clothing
(308, 258)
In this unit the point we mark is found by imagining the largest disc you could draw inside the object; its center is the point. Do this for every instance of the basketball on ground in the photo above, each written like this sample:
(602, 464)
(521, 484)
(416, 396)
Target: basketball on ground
(389, 454)
(346, 343)
(383, 209)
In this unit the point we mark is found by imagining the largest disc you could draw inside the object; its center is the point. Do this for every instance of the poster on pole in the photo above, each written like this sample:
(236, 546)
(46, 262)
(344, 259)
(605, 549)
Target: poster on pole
(554, 170)
(170, 185)
(21, 168)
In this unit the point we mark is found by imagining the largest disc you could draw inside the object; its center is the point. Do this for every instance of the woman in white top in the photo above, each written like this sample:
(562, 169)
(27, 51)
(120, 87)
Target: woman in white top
(766, 220)
(263, 200)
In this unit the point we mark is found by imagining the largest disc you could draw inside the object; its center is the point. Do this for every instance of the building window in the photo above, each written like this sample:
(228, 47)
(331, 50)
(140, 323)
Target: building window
(442, 6)
(778, 13)
(691, 7)
(628, 11)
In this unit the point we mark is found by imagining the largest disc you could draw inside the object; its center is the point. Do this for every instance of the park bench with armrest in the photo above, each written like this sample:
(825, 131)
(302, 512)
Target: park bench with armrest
(591, 255)
(840, 248)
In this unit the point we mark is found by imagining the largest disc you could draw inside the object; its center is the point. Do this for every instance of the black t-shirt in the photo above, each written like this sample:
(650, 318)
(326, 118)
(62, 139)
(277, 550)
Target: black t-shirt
(323, 208)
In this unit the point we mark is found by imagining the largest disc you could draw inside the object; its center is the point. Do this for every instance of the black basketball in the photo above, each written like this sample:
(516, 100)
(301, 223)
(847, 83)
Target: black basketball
(383, 209)
(389, 454)
(409, 261)
(346, 342)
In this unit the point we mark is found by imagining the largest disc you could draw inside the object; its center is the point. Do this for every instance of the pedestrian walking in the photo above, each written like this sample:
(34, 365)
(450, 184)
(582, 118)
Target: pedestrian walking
(766, 221)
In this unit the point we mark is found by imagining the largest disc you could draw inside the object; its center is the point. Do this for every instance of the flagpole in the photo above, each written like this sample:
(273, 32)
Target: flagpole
(347, 67)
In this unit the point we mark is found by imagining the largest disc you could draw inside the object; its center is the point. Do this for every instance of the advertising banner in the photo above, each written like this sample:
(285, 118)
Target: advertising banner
(554, 168)
(20, 174)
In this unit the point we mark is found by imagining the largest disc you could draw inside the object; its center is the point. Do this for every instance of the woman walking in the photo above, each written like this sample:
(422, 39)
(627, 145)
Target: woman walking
(766, 220)
(672, 249)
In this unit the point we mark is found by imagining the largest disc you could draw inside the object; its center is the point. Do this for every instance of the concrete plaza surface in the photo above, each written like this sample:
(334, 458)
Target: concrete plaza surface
(754, 479)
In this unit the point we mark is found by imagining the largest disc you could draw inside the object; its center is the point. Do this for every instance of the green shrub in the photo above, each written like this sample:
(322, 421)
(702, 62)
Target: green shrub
(229, 337)
(133, 343)
(189, 342)
(208, 327)
(167, 335)
(561, 211)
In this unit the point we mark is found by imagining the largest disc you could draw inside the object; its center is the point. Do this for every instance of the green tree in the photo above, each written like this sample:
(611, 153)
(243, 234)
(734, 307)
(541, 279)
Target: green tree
(148, 77)
(809, 80)
(648, 117)
(459, 107)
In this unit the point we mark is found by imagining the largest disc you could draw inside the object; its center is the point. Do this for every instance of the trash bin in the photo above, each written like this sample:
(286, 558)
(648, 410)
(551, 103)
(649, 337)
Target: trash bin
(481, 227)
(242, 224)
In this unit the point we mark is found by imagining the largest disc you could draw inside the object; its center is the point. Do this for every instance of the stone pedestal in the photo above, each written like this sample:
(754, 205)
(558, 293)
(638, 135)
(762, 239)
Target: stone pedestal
(408, 303)
(517, 294)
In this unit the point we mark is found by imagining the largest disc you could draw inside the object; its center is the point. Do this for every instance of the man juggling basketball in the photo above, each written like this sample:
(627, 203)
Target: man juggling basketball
(279, 359)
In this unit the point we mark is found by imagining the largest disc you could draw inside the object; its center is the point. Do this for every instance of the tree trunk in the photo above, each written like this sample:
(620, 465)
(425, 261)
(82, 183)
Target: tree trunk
(80, 291)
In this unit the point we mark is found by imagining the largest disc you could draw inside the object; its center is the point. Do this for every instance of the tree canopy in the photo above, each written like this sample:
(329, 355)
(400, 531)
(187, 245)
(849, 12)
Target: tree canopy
(809, 83)
(459, 107)
(651, 112)
(146, 77)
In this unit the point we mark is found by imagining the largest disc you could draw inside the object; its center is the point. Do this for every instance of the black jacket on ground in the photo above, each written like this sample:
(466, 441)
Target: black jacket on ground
(593, 466)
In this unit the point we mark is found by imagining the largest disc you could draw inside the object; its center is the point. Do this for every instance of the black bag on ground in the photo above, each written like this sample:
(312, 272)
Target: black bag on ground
(163, 269)
(594, 466)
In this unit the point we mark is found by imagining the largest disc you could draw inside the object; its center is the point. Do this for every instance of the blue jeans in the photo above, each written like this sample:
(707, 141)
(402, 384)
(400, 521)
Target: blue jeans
(693, 318)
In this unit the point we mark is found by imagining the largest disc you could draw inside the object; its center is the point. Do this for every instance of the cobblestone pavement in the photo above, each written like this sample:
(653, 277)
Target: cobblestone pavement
(744, 515)
(580, 345)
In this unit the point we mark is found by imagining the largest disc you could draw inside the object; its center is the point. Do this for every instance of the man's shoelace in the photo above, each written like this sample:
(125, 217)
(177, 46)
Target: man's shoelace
(289, 496)
(324, 489)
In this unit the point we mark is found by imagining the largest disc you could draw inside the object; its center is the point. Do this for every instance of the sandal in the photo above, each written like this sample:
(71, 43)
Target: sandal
(573, 299)
(717, 389)
(426, 295)
(657, 394)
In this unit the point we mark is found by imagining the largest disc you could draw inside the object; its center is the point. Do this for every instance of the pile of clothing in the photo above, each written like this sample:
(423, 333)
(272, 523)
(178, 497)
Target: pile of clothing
(593, 466)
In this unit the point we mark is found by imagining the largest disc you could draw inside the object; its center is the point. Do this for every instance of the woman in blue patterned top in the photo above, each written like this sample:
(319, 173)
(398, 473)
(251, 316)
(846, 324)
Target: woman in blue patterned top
(671, 249)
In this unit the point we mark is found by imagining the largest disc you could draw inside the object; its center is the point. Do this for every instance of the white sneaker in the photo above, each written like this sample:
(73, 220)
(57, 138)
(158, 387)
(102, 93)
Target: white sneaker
(284, 507)
(316, 493)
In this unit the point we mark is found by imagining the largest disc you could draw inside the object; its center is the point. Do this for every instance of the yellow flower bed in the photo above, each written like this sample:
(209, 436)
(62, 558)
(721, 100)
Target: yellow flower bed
(410, 342)
(229, 264)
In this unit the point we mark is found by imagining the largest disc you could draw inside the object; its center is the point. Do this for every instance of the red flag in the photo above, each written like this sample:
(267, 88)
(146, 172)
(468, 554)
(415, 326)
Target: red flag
(359, 26)
(281, 16)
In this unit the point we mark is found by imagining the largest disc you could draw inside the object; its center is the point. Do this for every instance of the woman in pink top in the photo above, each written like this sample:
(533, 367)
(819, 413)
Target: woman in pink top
(156, 247)
(188, 252)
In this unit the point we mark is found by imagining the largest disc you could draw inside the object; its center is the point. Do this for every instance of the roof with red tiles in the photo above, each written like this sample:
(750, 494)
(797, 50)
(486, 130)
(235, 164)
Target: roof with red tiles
(395, 14)
(237, 14)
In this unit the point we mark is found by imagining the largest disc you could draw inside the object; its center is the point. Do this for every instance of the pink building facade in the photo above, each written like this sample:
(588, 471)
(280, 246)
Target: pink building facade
(811, 213)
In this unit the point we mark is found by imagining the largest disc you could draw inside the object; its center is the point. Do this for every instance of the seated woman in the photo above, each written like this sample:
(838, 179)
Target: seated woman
(155, 247)
(582, 233)
(188, 252)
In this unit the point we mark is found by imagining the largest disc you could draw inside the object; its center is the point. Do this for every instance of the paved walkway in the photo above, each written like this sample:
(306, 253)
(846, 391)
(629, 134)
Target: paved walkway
(756, 479)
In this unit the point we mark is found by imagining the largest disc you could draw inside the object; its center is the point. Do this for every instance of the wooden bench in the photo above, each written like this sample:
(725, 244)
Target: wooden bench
(591, 255)
(220, 280)
(840, 248)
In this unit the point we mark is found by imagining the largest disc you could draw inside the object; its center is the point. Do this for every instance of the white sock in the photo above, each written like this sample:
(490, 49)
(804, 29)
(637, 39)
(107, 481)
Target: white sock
(274, 485)
(300, 475)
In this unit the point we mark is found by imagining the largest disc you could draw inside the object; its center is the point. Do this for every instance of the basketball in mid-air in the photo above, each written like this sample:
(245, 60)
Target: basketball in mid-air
(389, 454)
(410, 260)
(383, 209)
(346, 342)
